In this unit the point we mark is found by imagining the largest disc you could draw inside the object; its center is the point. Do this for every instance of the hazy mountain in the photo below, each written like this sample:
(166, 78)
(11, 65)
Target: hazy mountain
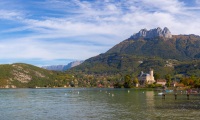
(62, 67)
(54, 67)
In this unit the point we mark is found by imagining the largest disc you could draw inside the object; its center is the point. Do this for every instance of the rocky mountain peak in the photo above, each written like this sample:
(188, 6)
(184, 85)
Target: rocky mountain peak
(152, 33)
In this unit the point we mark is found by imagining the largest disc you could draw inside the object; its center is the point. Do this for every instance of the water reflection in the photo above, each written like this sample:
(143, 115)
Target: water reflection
(150, 104)
(150, 98)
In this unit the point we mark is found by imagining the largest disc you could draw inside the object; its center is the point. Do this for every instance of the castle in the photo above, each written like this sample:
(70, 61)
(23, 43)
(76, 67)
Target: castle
(146, 78)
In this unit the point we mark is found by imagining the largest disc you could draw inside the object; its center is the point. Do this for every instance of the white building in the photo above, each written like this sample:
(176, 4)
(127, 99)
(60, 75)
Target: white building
(146, 78)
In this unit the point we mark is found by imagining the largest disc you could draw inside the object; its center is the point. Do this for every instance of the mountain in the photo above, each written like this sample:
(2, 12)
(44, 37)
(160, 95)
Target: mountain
(20, 75)
(62, 67)
(160, 43)
(54, 67)
(72, 64)
(155, 48)
(157, 32)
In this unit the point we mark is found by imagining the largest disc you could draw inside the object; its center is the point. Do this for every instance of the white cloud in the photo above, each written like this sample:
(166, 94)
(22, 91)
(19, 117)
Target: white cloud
(170, 6)
(101, 24)
(28, 49)
(198, 2)
(10, 15)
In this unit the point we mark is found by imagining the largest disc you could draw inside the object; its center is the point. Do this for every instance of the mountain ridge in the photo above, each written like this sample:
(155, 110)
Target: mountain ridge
(152, 33)
(62, 67)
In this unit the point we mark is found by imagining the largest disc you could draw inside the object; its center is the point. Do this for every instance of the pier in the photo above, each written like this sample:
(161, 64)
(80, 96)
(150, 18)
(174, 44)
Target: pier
(176, 95)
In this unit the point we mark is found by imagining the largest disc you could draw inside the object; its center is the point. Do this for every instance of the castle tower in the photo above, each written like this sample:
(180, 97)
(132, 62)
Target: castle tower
(151, 72)
(151, 75)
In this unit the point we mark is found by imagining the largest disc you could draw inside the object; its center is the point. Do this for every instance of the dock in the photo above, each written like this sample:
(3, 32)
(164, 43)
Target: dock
(178, 94)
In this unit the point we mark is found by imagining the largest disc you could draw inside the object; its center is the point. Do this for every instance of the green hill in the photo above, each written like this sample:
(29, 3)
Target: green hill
(21, 75)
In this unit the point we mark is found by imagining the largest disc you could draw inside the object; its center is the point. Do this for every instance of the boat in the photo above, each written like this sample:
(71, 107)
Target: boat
(165, 91)
(161, 93)
(168, 91)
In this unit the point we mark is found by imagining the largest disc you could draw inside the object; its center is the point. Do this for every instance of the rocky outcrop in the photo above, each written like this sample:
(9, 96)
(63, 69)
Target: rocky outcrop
(157, 32)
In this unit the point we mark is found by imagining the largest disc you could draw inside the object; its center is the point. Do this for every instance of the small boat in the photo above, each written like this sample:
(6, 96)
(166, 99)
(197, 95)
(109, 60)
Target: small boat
(168, 91)
(161, 93)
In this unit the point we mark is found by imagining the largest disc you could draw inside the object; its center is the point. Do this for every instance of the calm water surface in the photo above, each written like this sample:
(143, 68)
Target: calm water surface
(94, 104)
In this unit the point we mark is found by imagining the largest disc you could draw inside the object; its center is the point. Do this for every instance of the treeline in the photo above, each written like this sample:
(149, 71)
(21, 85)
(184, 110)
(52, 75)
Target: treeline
(28, 76)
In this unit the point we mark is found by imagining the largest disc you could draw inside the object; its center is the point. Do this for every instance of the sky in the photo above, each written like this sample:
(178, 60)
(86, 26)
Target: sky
(53, 32)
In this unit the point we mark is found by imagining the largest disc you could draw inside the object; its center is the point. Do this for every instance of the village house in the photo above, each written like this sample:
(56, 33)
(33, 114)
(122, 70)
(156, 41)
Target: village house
(161, 82)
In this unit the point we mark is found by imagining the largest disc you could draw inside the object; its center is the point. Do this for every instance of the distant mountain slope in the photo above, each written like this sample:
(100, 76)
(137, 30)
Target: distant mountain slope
(62, 67)
(55, 67)
(144, 50)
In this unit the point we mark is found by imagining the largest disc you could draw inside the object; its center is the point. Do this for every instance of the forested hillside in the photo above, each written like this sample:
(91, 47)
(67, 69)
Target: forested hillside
(21, 75)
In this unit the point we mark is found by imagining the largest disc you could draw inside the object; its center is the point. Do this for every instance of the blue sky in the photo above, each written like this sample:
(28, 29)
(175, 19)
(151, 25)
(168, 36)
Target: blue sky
(51, 32)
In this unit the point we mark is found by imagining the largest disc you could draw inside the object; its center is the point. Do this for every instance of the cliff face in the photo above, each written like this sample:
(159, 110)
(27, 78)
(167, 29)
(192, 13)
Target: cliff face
(153, 33)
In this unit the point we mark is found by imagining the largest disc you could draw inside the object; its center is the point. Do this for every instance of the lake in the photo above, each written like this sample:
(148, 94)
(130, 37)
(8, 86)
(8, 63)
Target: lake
(94, 104)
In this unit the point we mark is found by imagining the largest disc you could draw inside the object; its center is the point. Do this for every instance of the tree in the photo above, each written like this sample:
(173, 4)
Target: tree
(197, 83)
(128, 83)
(189, 81)
(156, 76)
(168, 78)
(135, 81)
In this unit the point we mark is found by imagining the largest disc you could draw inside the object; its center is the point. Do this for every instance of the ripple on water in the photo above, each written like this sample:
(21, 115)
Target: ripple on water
(93, 104)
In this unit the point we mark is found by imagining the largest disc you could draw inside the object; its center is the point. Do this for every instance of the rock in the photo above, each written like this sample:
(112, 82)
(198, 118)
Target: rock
(166, 33)
(157, 32)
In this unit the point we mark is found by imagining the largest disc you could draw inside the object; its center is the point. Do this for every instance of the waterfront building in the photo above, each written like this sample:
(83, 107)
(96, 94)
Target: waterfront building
(146, 78)
(161, 82)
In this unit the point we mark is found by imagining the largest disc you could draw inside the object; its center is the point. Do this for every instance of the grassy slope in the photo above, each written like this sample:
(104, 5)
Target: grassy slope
(25, 75)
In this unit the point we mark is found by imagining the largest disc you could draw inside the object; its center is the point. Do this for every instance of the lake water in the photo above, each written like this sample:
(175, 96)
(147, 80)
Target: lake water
(94, 104)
